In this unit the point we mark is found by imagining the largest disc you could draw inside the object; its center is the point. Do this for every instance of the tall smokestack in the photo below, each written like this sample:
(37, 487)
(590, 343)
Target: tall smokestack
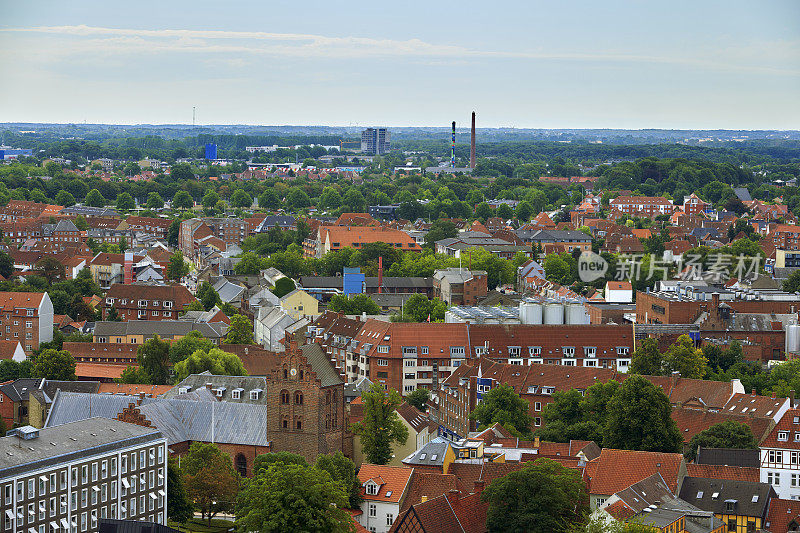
(453, 148)
(380, 274)
(472, 144)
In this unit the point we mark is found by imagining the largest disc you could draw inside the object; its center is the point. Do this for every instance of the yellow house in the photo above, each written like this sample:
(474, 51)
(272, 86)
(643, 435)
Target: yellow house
(419, 434)
(299, 303)
(741, 505)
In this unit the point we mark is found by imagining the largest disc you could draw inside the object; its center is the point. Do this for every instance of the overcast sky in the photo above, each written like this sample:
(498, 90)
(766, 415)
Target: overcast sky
(539, 64)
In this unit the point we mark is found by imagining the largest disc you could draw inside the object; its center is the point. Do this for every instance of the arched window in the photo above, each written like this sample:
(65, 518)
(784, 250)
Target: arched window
(284, 397)
(301, 374)
(285, 422)
(241, 465)
(298, 398)
(285, 374)
(299, 423)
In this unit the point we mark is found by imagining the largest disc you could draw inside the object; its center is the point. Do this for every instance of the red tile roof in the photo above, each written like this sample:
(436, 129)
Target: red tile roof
(733, 473)
(428, 485)
(99, 370)
(124, 388)
(782, 514)
(692, 421)
(391, 479)
(13, 300)
(616, 470)
(790, 423)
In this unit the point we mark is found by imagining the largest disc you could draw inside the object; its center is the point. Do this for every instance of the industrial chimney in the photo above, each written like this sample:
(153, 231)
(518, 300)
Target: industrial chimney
(453, 149)
(472, 144)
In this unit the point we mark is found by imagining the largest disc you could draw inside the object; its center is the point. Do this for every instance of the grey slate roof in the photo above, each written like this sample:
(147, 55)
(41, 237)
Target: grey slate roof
(742, 194)
(163, 328)
(72, 441)
(728, 457)
(700, 493)
(89, 210)
(18, 389)
(556, 235)
(178, 420)
(321, 364)
(223, 386)
(424, 456)
(228, 292)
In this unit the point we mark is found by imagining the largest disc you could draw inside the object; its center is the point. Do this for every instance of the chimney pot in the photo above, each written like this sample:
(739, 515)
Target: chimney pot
(754, 392)
(453, 496)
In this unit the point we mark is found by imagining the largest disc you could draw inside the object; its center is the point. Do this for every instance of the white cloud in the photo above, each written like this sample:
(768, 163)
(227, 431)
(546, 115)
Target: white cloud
(116, 41)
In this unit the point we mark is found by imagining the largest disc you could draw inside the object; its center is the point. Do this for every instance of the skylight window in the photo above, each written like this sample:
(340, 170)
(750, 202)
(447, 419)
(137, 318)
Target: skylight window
(433, 457)
(699, 494)
(755, 498)
(715, 496)
(423, 455)
(388, 494)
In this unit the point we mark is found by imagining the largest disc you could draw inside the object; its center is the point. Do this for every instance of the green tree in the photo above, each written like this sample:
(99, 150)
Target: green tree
(683, 357)
(419, 398)
(113, 315)
(124, 202)
(187, 345)
(95, 199)
(523, 211)
(440, 229)
(575, 416)
(173, 233)
(728, 434)
(241, 198)
(557, 269)
(249, 264)
(418, 308)
(483, 211)
(58, 365)
(64, 198)
(542, 497)
(210, 199)
(265, 460)
(80, 223)
(292, 497)
(792, 283)
(646, 359)
(182, 200)
(330, 198)
(269, 199)
(210, 480)
(154, 201)
(240, 330)
(6, 265)
(502, 405)
(179, 507)
(504, 211)
(353, 305)
(153, 358)
(283, 287)
(177, 267)
(50, 269)
(343, 471)
(208, 296)
(297, 199)
(639, 419)
(381, 425)
(133, 375)
(215, 361)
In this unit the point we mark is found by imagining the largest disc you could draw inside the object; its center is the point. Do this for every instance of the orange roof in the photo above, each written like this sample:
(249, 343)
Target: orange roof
(8, 348)
(150, 390)
(355, 236)
(782, 514)
(392, 481)
(733, 473)
(616, 470)
(642, 233)
(12, 300)
(99, 370)
(790, 423)
(619, 285)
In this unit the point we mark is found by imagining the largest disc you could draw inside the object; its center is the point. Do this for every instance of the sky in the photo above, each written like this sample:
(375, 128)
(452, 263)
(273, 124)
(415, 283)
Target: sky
(697, 64)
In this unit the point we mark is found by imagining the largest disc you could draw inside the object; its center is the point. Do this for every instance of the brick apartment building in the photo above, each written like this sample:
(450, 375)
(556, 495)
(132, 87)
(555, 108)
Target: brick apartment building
(69, 477)
(784, 236)
(647, 206)
(197, 235)
(332, 238)
(693, 205)
(405, 356)
(139, 301)
(456, 286)
(26, 317)
(157, 227)
(685, 306)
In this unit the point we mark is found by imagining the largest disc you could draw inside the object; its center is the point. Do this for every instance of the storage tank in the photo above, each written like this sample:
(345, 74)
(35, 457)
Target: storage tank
(793, 339)
(553, 313)
(530, 313)
(576, 314)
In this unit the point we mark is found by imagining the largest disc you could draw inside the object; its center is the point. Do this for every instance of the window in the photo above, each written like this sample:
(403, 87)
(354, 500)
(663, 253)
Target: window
(775, 456)
(783, 435)
(372, 489)
(534, 350)
(456, 351)
(285, 397)
(590, 351)
(794, 480)
(794, 458)
(537, 406)
(409, 350)
(389, 519)
(383, 349)
(514, 351)
(94, 471)
(537, 421)
(622, 350)
(424, 350)
(410, 362)
(410, 375)
(373, 510)
(298, 398)
(569, 351)
(774, 478)
(382, 362)
(236, 394)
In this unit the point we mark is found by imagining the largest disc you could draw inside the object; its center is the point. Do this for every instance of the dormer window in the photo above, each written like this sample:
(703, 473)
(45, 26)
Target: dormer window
(568, 351)
(372, 488)
(783, 435)
(142, 303)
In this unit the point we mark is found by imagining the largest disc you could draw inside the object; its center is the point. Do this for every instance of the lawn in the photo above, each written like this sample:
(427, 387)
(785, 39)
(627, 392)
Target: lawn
(196, 525)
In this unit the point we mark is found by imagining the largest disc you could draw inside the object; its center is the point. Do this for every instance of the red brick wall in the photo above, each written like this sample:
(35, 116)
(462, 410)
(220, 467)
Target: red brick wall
(7, 411)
